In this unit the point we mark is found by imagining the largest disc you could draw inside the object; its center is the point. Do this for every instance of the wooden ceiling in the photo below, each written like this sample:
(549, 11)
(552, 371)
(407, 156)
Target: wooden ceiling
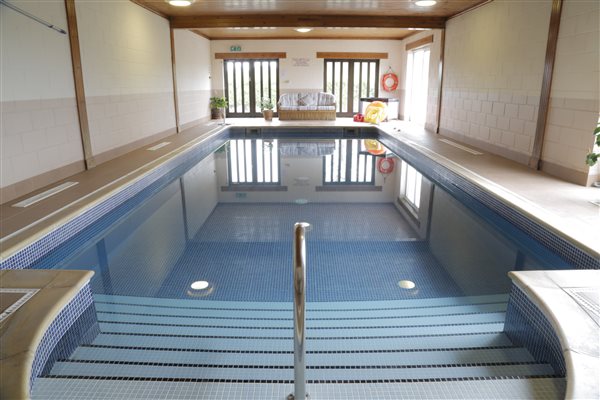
(274, 18)
(290, 33)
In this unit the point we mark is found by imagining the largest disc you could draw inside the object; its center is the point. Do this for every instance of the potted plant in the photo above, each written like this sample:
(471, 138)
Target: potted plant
(217, 107)
(266, 106)
(592, 157)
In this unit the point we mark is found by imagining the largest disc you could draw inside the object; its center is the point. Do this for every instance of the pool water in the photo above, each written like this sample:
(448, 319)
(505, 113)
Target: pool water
(364, 239)
(407, 287)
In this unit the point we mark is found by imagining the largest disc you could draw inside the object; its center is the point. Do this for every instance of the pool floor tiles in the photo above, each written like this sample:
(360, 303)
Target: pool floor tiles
(178, 349)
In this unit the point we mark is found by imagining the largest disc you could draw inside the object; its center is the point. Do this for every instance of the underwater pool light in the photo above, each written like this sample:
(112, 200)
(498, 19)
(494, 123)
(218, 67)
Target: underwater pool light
(404, 284)
(200, 285)
(200, 289)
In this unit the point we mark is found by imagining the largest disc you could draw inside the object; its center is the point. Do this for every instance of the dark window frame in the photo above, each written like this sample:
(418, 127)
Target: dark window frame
(252, 90)
(350, 87)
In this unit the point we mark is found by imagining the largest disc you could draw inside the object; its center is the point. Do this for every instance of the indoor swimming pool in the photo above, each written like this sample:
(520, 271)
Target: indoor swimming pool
(407, 284)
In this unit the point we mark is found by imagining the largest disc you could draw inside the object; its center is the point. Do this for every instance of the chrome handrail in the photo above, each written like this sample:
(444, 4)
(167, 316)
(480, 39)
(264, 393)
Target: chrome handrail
(300, 229)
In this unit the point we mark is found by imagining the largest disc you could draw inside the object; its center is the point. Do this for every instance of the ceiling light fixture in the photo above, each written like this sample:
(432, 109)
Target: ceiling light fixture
(425, 3)
(180, 3)
(303, 30)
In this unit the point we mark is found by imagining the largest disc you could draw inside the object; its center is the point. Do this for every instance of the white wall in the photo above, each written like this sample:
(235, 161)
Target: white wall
(40, 127)
(308, 79)
(126, 59)
(574, 103)
(193, 64)
(493, 66)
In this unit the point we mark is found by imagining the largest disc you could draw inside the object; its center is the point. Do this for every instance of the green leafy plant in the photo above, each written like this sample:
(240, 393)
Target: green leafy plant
(218, 102)
(266, 104)
(592, 158)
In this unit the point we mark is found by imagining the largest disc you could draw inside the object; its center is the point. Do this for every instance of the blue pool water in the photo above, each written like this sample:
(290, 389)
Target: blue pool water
(369, 334)
(201, 227)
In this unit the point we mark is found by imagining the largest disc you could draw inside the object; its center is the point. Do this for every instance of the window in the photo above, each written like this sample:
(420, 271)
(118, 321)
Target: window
(410, 186)
(350, 163)
(253, 162)
(349, 80)
(249, 81)
(417, 83)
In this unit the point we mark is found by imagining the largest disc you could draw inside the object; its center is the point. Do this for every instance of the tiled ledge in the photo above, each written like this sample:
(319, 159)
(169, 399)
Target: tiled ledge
(21, 333)
(577, 328)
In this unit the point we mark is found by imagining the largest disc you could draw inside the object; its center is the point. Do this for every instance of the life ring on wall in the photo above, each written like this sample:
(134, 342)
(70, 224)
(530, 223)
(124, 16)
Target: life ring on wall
(389, 82)
(386, 165)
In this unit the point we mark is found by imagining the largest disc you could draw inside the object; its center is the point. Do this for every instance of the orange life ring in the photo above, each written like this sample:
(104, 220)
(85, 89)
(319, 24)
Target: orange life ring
(385, 165)
(389, 82)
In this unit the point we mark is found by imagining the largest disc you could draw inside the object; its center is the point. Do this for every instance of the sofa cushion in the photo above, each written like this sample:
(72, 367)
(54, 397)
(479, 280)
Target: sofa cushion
(288, 100)
(308, 99)
(326, 99)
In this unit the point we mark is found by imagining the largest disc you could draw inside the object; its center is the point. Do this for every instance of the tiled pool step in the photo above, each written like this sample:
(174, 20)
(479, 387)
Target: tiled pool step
(224, 349)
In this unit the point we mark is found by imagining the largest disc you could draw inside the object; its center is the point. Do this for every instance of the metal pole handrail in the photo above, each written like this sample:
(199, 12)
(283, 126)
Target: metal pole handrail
(300, 229)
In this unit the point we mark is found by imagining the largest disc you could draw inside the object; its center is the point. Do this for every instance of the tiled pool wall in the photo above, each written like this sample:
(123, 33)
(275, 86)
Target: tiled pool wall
(74, 325)
(473, 196)
(527, 326)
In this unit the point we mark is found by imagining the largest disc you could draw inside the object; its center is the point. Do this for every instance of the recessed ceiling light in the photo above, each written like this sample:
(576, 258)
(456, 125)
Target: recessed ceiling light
(425, 3)
(303, 30)
(180, 3)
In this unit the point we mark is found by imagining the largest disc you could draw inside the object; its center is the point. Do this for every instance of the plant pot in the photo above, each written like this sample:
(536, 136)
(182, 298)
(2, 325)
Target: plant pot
(268, 114)
(216, 113)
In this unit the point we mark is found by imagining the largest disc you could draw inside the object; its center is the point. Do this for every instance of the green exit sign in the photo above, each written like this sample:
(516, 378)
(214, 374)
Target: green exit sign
(235, 48)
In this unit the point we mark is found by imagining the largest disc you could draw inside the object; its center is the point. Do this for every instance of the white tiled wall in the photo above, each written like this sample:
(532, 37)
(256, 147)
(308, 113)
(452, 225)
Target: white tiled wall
(493, 67)
(126, 59)
(193, 62)
(574, 105)
(39, 125)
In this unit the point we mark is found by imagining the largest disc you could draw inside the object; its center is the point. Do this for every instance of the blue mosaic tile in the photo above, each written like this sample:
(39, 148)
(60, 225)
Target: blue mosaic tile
(58, 328)
(527, 326)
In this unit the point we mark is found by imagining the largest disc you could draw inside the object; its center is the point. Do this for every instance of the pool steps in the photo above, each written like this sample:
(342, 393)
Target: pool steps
(440, 348)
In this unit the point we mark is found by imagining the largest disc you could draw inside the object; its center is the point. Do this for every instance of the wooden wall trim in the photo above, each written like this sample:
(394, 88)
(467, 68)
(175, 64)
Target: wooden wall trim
(84, 126)
(540, 130)
(143, 5)
(308, 20)
(476, 6)
(352, 55)
(441, 80)
(419, 43)
(235, 56)
(174, 74)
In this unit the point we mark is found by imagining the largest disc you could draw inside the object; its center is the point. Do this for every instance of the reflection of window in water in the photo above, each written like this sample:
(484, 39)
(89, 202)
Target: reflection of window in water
(410, 186)
(253, 162)
(350, 163)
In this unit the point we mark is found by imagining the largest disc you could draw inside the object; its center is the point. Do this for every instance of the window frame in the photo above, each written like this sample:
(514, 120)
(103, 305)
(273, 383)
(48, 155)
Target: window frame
(404, 172)
(252, 89)
(350, 89)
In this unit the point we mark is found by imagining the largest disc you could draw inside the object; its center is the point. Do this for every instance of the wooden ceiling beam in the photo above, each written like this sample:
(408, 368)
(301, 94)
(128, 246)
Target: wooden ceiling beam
(310, 21)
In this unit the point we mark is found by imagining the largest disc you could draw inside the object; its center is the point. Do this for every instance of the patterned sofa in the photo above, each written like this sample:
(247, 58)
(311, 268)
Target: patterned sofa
(306, 106)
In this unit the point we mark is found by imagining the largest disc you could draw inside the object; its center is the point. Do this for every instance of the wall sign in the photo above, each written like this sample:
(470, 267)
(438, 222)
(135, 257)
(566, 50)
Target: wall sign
(235, 47)
(301, 62)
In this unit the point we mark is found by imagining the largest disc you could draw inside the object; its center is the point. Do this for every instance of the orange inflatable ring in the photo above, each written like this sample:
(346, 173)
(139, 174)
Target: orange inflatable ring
(374, 147)
(385, 165)
(389, 82)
